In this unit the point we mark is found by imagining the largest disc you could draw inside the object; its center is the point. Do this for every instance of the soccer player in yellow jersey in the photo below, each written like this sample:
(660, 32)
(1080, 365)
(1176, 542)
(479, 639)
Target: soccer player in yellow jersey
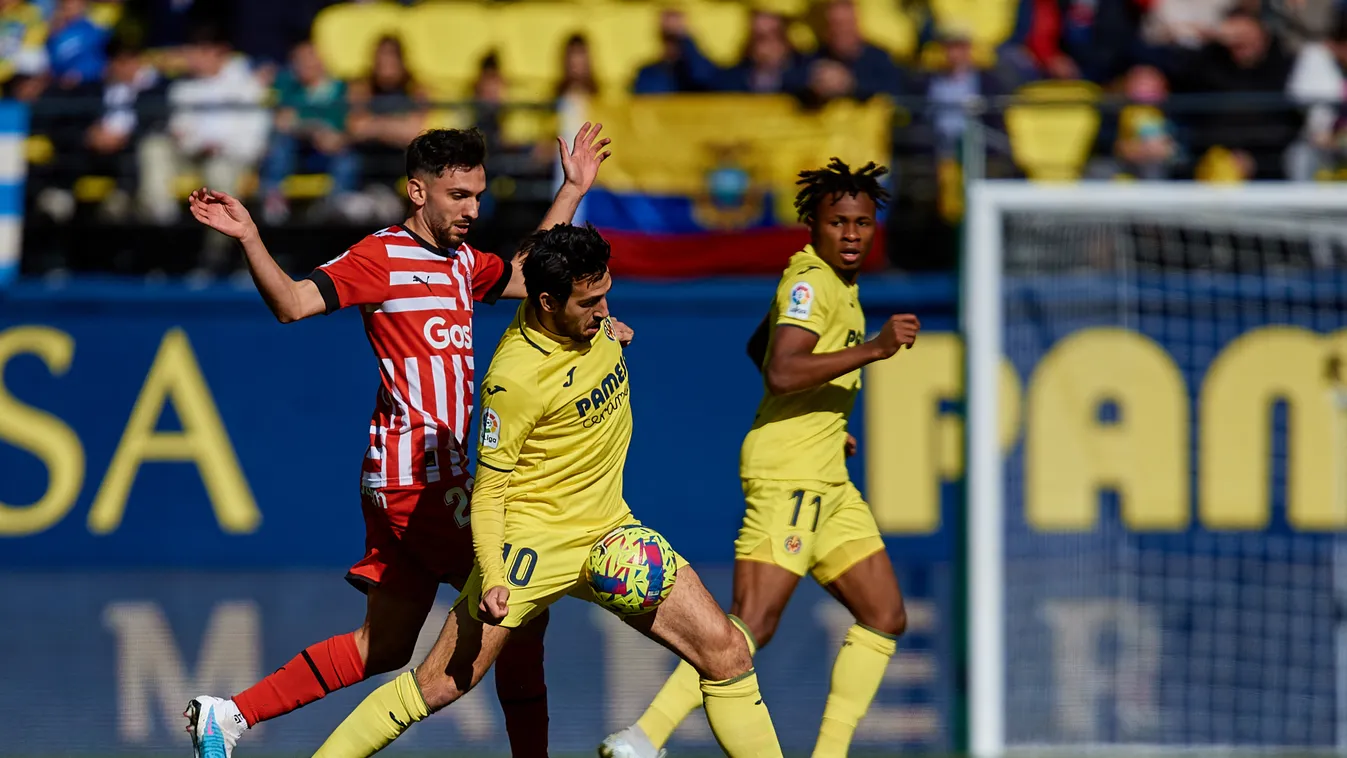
(803, 513)
(556, 422)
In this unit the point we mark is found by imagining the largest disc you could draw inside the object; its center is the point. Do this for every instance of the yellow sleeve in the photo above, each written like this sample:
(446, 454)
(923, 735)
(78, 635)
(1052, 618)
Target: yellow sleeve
(802, 298)
(510, 410)
(488, 525)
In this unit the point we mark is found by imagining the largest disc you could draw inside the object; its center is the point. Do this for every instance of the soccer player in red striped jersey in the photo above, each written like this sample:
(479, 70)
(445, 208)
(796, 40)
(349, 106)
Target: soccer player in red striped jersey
(415, 284)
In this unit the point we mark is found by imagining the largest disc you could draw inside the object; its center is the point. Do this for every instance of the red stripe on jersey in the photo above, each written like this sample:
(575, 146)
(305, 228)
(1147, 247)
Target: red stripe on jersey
(417, 309)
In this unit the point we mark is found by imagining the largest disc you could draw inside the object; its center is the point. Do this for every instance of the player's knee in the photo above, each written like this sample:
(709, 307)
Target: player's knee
(440, 688)
(731, 657)
(891, 619)
(761, 623)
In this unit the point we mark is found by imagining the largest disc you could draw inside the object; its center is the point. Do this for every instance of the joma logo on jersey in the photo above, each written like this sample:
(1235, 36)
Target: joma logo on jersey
(610, 385)
(438, 337)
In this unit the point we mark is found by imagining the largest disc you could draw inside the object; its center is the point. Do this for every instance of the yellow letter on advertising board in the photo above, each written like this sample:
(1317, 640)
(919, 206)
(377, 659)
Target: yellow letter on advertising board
(203, 440)
(42, 434)
(1253, 373)
(910, 447)
(1071, 455)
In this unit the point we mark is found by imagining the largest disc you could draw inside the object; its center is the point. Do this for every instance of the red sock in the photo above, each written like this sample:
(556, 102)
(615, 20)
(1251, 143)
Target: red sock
(522, 690)
(322, 668)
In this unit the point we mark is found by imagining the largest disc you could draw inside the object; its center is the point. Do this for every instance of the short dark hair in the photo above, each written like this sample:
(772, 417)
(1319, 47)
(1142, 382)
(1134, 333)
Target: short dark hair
(837, 179)
(439, 150)
(561, 256)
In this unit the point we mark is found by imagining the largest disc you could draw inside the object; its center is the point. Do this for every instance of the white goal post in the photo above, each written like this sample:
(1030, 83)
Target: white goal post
(1193, 269)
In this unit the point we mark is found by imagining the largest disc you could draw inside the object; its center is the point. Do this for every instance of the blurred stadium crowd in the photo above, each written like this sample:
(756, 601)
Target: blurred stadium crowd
(303, 106)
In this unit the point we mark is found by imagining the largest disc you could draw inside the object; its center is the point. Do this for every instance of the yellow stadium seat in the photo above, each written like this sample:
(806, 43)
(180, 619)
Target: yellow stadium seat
(1052, 127)
(887, 26)
(38, 150)
(720, 29)
(990, 22)
(533, 38)
(105, 14)
(94, 189)
(347, 34)
(445, 43)
(306, 186)
(623, 37)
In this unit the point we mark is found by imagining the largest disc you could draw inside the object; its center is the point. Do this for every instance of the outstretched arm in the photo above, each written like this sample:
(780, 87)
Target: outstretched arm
(793, 365)
(580, 163)
(289, 300)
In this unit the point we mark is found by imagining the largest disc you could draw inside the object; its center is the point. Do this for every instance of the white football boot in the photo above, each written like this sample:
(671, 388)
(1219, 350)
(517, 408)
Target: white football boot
(215, 725)
(629, 743)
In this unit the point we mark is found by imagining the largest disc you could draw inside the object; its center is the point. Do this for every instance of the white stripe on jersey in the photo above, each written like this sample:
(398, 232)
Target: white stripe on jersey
(418, 277)
(404, 429)
(391, 232)
(462, 285)
(470, 256)
(406, 304)
(441, 391)
(458, 407)
(412, 253)
(416, 399)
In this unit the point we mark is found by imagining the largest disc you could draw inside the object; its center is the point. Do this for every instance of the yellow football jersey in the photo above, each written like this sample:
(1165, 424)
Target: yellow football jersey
(555, 414)
(802, 435)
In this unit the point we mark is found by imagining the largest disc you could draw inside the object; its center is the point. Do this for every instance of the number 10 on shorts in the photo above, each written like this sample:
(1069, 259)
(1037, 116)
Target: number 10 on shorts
(525, 560)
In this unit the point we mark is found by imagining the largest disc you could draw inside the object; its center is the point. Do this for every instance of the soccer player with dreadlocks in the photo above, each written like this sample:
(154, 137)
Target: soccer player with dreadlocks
(803, 513)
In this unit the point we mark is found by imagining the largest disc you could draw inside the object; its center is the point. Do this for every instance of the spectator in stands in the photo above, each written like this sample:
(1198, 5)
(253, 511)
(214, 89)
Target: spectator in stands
(577, 70)
(75, 45)
(770, 64)
(1147, 146)
(388, 109)
(1078, 39)
(310, 125)
(488, 100)
(217, 124)
(23, 52)
(1185, 23)
(953, 89)
(681, 67)
(845, 65)
(1242, 59)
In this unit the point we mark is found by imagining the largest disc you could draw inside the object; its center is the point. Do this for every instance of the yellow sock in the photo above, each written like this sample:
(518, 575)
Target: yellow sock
(679, 697)
(740, 721)
(377, 721)
(857, 673)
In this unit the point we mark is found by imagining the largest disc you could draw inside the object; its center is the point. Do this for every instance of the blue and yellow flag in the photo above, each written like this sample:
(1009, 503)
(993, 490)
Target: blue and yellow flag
(706, 183)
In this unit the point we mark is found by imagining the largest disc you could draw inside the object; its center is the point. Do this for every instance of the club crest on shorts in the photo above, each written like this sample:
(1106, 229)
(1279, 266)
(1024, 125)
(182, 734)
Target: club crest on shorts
(490, 429)
(793, 544)
(801, 301)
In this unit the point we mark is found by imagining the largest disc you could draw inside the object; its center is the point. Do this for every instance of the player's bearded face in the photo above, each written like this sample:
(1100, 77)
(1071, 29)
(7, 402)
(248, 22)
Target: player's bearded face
(843, 231)
(582, 316)
(450, 203)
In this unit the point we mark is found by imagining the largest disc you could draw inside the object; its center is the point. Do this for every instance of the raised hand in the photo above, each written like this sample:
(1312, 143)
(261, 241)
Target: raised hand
(221, 212)
(580, 162)
(623, 333)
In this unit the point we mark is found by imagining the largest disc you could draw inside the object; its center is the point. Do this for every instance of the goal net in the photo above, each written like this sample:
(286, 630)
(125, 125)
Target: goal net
(1157, 489)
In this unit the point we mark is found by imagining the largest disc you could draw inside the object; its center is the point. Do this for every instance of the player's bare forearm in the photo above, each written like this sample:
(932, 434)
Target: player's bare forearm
(288, 299)
(564, 206)
(794, 366)
(487, 516)
(515, 289)
(799, 370)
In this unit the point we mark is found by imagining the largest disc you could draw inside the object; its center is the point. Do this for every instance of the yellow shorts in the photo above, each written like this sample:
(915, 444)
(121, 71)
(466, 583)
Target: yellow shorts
(542, 566)
(807, 526)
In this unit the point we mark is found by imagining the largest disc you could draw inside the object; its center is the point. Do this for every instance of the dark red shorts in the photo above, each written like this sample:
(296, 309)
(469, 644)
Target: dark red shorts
(416, 538)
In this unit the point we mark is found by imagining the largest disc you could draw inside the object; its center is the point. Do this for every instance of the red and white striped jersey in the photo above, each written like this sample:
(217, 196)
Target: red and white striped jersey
(416, 301)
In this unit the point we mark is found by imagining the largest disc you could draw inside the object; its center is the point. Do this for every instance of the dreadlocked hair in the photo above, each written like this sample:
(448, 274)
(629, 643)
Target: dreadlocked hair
(837, 179)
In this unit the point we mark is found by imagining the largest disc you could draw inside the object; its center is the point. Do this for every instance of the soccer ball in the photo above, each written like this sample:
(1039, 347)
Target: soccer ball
(631, 569)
